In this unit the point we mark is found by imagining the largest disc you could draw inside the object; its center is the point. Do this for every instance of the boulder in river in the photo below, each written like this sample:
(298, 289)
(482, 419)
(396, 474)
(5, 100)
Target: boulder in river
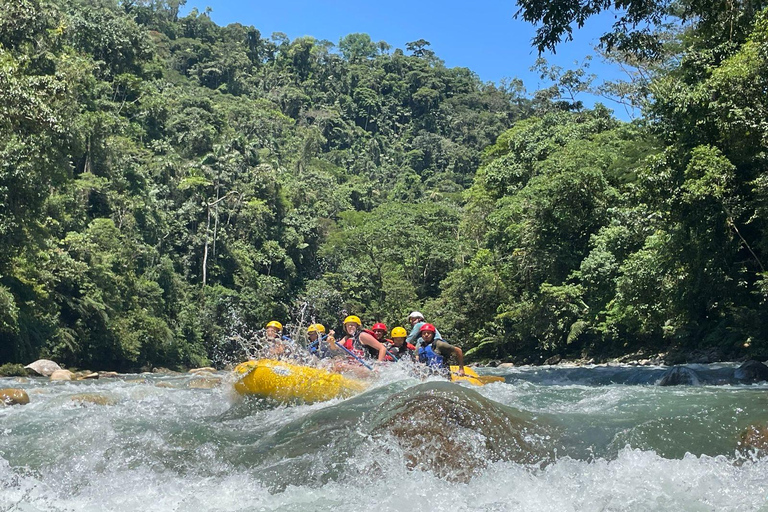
(205, 369)
(751, 371)
(454, 431)
(62, 375)
(108, 375)
(13, 396)
(680, 376)
(44, 367)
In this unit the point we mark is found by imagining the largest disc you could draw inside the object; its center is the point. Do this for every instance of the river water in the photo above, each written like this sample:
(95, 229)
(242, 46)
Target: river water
(561, 439)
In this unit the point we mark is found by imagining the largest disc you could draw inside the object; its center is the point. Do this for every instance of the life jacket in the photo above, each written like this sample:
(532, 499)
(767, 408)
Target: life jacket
(399, 352)
(431, 358)
(353, 345)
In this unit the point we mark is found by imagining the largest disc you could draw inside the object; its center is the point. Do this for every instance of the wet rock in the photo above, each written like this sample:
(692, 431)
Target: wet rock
(44, 367)
(506, 365)
(204, 383)
(454, 431)
(164, 371)
(62, 375)
(553, 360)
(86, 375)
(751, 371)
(13, 396)
(92, 399)
(755, 437)
(680, 376)
(205, 369)
(108, 375)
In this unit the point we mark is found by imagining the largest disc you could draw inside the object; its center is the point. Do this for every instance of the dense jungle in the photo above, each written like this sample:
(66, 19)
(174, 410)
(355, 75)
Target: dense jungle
(167, 184)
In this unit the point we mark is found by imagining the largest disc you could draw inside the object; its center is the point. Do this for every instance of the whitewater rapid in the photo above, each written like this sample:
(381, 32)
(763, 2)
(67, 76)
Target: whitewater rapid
(609, 439)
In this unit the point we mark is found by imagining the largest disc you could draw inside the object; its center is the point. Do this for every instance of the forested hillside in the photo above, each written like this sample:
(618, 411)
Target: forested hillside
(166, 183)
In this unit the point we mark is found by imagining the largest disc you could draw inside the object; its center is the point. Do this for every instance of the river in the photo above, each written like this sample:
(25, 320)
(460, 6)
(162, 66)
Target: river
(548, 438)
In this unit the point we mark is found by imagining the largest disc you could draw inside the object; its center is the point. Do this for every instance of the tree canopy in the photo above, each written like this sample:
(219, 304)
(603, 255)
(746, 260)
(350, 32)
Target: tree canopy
(166, 183)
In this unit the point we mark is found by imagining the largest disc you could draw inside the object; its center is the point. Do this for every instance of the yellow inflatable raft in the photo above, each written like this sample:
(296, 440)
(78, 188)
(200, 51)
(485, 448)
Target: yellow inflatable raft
(472, 377)
(469, 376)
(287, 382)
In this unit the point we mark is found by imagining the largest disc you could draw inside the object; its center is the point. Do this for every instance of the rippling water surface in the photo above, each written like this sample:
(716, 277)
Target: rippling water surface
(546, 439)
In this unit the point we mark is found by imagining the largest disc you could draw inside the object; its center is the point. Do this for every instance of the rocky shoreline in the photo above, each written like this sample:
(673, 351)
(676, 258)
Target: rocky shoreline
(641, 358)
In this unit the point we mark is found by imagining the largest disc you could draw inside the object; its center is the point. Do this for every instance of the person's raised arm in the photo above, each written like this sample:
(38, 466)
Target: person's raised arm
(367, 339)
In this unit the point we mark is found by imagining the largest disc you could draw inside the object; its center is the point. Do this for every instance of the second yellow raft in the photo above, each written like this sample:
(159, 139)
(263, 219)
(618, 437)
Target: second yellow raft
(287, 382)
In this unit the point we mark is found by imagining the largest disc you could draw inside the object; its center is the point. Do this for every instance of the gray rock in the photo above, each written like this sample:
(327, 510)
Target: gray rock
(751, 371)
(680, 376)
(44, 367)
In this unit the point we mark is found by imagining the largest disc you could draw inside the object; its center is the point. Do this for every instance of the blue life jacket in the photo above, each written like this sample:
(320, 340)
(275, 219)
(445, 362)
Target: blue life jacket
(430, 357)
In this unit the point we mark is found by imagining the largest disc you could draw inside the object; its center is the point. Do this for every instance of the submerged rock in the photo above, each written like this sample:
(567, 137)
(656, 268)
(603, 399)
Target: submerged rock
(751, 371)
(13, 396)
(680, 376)
(204, 383)
(62, 375)
(454, 431)
(755, 437)
(44, 367)
(92, 398)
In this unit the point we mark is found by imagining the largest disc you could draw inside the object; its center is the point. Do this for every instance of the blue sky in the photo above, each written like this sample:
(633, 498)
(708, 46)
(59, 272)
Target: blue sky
(481, 35)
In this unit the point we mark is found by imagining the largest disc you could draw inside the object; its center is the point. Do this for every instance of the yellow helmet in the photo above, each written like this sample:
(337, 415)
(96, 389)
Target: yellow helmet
(399, 332)
(352, 319)
(277, 325)
(316, 328)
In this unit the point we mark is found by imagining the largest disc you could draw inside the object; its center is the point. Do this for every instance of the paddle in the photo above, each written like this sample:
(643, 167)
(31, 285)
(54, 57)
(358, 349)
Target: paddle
(345, 349)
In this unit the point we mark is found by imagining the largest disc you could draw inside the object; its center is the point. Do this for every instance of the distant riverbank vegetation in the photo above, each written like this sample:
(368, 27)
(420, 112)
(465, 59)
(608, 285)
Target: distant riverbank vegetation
(166, 183)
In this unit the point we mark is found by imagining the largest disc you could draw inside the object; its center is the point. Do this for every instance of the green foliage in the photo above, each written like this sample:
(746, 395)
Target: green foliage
(13, 370)
(166, 183)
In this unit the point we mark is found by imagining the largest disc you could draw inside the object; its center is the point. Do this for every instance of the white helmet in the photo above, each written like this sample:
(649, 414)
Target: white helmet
(415, 314)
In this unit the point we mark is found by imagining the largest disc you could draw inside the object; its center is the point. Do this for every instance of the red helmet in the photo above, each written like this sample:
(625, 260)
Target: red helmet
(379, 327)
(428, 327)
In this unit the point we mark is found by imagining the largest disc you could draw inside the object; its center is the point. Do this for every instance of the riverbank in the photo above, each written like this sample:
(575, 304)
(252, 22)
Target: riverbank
(639, 358)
